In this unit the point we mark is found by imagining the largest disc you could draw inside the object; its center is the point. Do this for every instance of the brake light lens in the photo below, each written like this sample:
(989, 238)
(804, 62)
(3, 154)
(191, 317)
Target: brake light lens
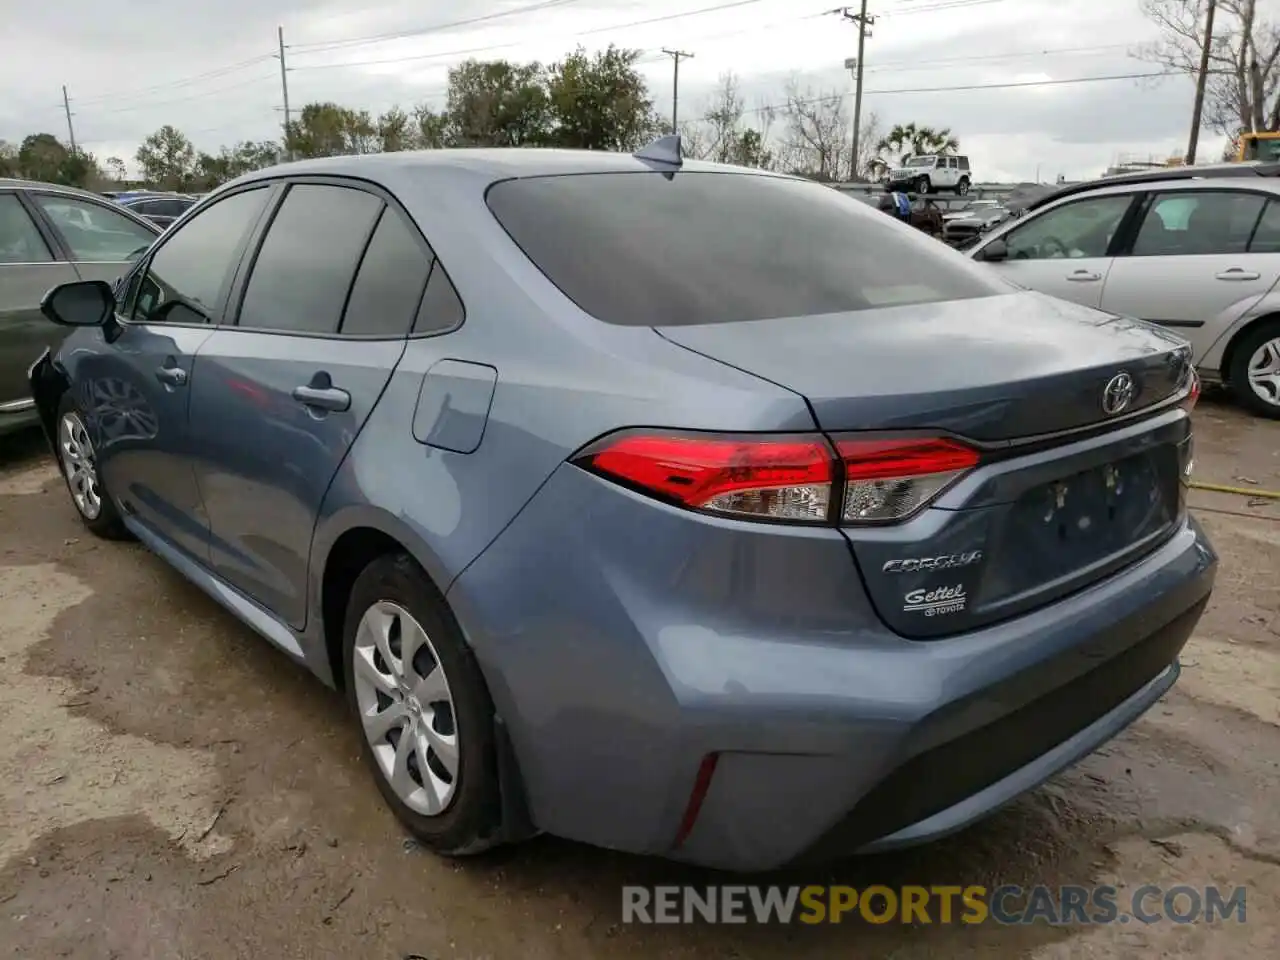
(1193, 393)
(798, 479)
(778, 478)
(889, 480)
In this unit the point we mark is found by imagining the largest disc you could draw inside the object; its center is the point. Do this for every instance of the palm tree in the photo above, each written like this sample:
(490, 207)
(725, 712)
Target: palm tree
(908, 140)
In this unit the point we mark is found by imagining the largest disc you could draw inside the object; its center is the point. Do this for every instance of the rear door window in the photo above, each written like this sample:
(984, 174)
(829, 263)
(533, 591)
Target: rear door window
(1198, 223)
(20, 241)
(390, 282)
(307, 262)
(650, 249)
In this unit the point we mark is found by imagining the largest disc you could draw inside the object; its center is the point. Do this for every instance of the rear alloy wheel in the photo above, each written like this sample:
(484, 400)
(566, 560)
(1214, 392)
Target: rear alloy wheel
(1255, 371)
(423, 708)
(79, 468)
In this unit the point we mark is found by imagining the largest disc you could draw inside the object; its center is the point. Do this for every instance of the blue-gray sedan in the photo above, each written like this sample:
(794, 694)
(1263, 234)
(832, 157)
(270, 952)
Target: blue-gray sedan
(667, 506)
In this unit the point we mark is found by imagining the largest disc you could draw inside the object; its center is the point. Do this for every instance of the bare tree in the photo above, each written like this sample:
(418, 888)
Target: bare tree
(722, 134)
(816, 134)
(870, 161)
(1243, 88)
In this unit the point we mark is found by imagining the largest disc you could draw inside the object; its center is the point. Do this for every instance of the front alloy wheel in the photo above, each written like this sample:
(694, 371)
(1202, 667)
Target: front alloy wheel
(75, 452)
(406, 708)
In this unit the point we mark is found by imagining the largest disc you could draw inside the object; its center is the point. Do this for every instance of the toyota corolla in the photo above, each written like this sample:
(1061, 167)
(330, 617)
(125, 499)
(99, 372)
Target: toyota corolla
(672, 507)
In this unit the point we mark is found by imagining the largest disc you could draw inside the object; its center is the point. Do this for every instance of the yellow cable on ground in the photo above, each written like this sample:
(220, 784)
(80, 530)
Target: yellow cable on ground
(1238, 491)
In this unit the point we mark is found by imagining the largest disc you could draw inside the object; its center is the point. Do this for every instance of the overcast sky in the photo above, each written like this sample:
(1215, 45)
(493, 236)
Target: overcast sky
(132, 65)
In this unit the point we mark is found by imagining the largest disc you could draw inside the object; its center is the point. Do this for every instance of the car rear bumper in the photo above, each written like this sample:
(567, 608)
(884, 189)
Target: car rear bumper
(624, 642)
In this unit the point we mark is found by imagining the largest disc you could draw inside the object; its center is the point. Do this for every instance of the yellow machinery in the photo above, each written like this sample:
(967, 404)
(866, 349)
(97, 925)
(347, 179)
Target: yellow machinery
(1258, 146)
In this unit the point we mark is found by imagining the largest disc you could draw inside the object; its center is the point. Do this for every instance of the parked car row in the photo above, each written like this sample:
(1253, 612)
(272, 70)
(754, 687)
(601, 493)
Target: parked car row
(162, 209)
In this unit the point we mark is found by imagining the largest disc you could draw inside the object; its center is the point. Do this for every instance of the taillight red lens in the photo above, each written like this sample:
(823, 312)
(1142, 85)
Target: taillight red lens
(1193, 394)
(778, 478)
(888, 480)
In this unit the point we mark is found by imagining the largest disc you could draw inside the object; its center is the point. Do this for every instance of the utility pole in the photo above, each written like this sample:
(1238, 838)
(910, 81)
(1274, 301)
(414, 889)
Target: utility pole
(284, 89)
(864, 23)
(66, 105)
(676, 56)
(1200, 84)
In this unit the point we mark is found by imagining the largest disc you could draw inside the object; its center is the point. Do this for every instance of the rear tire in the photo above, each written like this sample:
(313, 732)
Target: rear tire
(79, 467)
(443, 784)
(1257, 351)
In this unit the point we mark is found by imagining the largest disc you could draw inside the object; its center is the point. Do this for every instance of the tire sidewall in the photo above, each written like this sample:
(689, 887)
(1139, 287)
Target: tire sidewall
(962, 187)
(469, 823)
(1238, 375)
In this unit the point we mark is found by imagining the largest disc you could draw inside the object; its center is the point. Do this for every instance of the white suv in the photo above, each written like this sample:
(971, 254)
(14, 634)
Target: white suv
(930, 174)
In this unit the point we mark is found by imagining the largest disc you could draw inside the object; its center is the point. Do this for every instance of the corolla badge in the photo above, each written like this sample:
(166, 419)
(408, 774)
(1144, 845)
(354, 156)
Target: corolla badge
(1118, 394)
(947, 561)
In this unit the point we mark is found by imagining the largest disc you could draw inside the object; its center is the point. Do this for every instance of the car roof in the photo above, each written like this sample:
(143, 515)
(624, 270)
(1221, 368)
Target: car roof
(482, 166)
(1212, 171)
(12, 183)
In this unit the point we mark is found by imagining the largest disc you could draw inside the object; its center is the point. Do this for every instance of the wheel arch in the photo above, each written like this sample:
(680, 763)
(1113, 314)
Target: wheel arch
(351, 544)
(49, 382)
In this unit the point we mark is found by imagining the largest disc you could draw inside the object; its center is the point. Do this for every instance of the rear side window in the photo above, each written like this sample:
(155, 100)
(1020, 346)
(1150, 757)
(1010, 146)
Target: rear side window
(390, 282)
(308, 259)
(1266, 238)
(441, 306)
(648, 249)
(20, 241)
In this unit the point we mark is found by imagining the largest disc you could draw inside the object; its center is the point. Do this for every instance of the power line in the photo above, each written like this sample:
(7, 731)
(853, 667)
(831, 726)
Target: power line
(148, 104)
(321, 46)
(180, 82)
(778, 107)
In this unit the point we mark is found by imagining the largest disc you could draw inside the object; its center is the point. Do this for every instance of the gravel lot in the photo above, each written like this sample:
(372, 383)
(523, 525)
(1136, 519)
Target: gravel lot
(170, 786)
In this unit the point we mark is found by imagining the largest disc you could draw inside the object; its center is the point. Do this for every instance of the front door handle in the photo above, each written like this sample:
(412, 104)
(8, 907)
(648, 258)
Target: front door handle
(1237, 273)
(1082, 276)
(171, 376)
(323, 398)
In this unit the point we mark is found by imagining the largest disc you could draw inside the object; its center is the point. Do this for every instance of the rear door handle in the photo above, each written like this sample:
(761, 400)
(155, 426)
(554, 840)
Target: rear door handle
(171, 376)
(1083, 276)
(1237, 273)
(323, 398)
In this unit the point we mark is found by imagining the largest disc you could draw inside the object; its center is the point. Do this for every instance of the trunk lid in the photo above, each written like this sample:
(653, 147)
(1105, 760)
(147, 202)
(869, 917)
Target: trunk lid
(992, 369)
(1034, 521)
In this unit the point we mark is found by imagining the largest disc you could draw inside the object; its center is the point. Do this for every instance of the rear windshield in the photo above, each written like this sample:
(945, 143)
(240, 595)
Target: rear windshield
(652, 249)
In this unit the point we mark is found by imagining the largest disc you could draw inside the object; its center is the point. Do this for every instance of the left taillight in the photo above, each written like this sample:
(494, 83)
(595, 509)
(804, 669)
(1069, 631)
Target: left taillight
(788, 478)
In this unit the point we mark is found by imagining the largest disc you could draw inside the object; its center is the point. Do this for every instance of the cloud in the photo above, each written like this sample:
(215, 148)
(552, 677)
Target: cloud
(211, 70)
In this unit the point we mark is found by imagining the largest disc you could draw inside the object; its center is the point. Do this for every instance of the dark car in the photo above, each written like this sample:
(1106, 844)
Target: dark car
(678, 508)
(160, 209)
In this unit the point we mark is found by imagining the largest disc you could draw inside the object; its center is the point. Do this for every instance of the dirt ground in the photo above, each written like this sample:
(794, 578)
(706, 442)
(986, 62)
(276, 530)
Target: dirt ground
(171, 787)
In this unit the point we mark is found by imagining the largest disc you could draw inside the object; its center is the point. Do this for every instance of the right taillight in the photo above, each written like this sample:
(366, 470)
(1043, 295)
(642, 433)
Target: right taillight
(889, 480)
(790, 478)
(1193, 392)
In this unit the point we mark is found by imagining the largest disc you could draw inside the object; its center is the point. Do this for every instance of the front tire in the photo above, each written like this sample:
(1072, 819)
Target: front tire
(79, 467)
(425, 714)
(962, 188)
(924, 185)
(1254, 377)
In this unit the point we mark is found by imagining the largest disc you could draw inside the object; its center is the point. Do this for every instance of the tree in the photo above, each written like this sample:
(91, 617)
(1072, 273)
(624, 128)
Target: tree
(1242, 91)
(496, 103)
(395, 131)
(42, 156)
(599, 102)
(167, 159)
(909, 140)
(870, 163)
(230, 162)
(328, 130)
(116, 169)
(8, 159)
(720, 133)
(430, 129)
(815, 137)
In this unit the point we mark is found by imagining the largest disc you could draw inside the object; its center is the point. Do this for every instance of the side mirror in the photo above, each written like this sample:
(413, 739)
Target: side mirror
(996, 250)
(82, 303)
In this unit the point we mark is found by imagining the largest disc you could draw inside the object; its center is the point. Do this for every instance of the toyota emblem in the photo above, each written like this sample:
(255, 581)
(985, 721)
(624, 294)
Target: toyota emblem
(1118, 394)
